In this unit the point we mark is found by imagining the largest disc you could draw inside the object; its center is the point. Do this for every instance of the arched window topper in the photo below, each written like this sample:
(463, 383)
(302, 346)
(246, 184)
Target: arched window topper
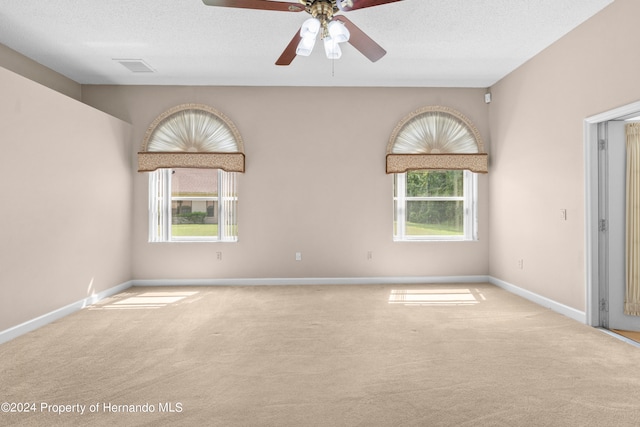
(192, 136)
(437, 138)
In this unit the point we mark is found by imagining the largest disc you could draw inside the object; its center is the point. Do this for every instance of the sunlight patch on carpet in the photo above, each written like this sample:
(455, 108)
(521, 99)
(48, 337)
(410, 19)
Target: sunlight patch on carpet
(146, 300)
(435, 296)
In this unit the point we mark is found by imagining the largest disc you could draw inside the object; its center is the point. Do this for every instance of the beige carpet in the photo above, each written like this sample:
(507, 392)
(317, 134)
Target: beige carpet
(451, 355)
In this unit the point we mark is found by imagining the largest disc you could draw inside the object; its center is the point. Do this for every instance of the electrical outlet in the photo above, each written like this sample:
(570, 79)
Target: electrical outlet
(521, 264)
(563, 214)
(219, 256)
(298, 256)
(369, 255)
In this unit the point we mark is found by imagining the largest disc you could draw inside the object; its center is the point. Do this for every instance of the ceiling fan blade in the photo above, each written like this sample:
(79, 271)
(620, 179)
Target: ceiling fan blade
(289, 53)
(347, 5)
(257, 4)
(361, 41)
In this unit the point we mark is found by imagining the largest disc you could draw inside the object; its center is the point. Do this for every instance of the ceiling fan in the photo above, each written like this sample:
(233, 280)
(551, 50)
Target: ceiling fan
(333, 29)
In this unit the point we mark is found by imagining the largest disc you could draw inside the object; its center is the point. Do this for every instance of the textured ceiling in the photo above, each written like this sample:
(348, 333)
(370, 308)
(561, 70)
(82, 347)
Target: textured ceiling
(456, 43)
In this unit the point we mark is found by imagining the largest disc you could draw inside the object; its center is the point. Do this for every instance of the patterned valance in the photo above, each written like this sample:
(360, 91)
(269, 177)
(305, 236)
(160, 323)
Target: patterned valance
(438, 138)
(192, 136)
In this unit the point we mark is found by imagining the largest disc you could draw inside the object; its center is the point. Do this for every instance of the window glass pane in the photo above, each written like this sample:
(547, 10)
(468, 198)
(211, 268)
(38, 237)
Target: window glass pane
(192, 205)
(435, 184)
(194, 182)
(193, 211)
(431, 218)
(194, 230)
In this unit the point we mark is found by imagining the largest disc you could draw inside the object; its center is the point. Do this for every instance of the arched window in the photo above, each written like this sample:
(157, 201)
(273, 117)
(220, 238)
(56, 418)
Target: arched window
(438, 138)
(192, 136)
(192, 153)
(432, 154)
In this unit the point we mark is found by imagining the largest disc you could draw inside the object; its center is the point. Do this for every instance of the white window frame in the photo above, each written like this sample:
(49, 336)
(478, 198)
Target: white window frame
(469, 198)
(160, 208)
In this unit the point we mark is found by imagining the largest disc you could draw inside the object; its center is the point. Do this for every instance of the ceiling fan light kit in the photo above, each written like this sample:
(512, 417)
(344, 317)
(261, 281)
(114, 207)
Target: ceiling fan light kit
(333, 29)
(332, 48)
(338, 32)
(335, 33)
(305, 47)
(310, 28)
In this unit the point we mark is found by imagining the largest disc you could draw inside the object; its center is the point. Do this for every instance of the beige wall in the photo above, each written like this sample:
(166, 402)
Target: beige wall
(20, 64)
(65, 180)
(315, 183)
(537, 155)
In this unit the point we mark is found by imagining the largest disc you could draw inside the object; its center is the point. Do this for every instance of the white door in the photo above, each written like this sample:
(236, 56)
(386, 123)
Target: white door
(615, 227)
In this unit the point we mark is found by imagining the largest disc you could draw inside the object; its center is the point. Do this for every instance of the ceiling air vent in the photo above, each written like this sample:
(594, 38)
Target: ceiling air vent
(136, 65)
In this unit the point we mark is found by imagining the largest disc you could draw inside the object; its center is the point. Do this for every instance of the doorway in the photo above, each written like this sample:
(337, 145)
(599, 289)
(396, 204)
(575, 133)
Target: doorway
(605, 164)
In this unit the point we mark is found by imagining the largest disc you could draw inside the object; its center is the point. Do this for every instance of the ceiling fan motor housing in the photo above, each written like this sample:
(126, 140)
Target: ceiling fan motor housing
(319, 8)
(323, 11)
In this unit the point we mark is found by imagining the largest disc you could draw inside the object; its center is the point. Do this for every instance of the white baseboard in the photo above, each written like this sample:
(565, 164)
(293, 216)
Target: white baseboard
(314, 281)
(570, 312)
(38, 322)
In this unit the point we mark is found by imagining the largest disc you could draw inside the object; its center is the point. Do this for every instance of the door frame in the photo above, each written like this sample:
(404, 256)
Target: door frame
(592, 229)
